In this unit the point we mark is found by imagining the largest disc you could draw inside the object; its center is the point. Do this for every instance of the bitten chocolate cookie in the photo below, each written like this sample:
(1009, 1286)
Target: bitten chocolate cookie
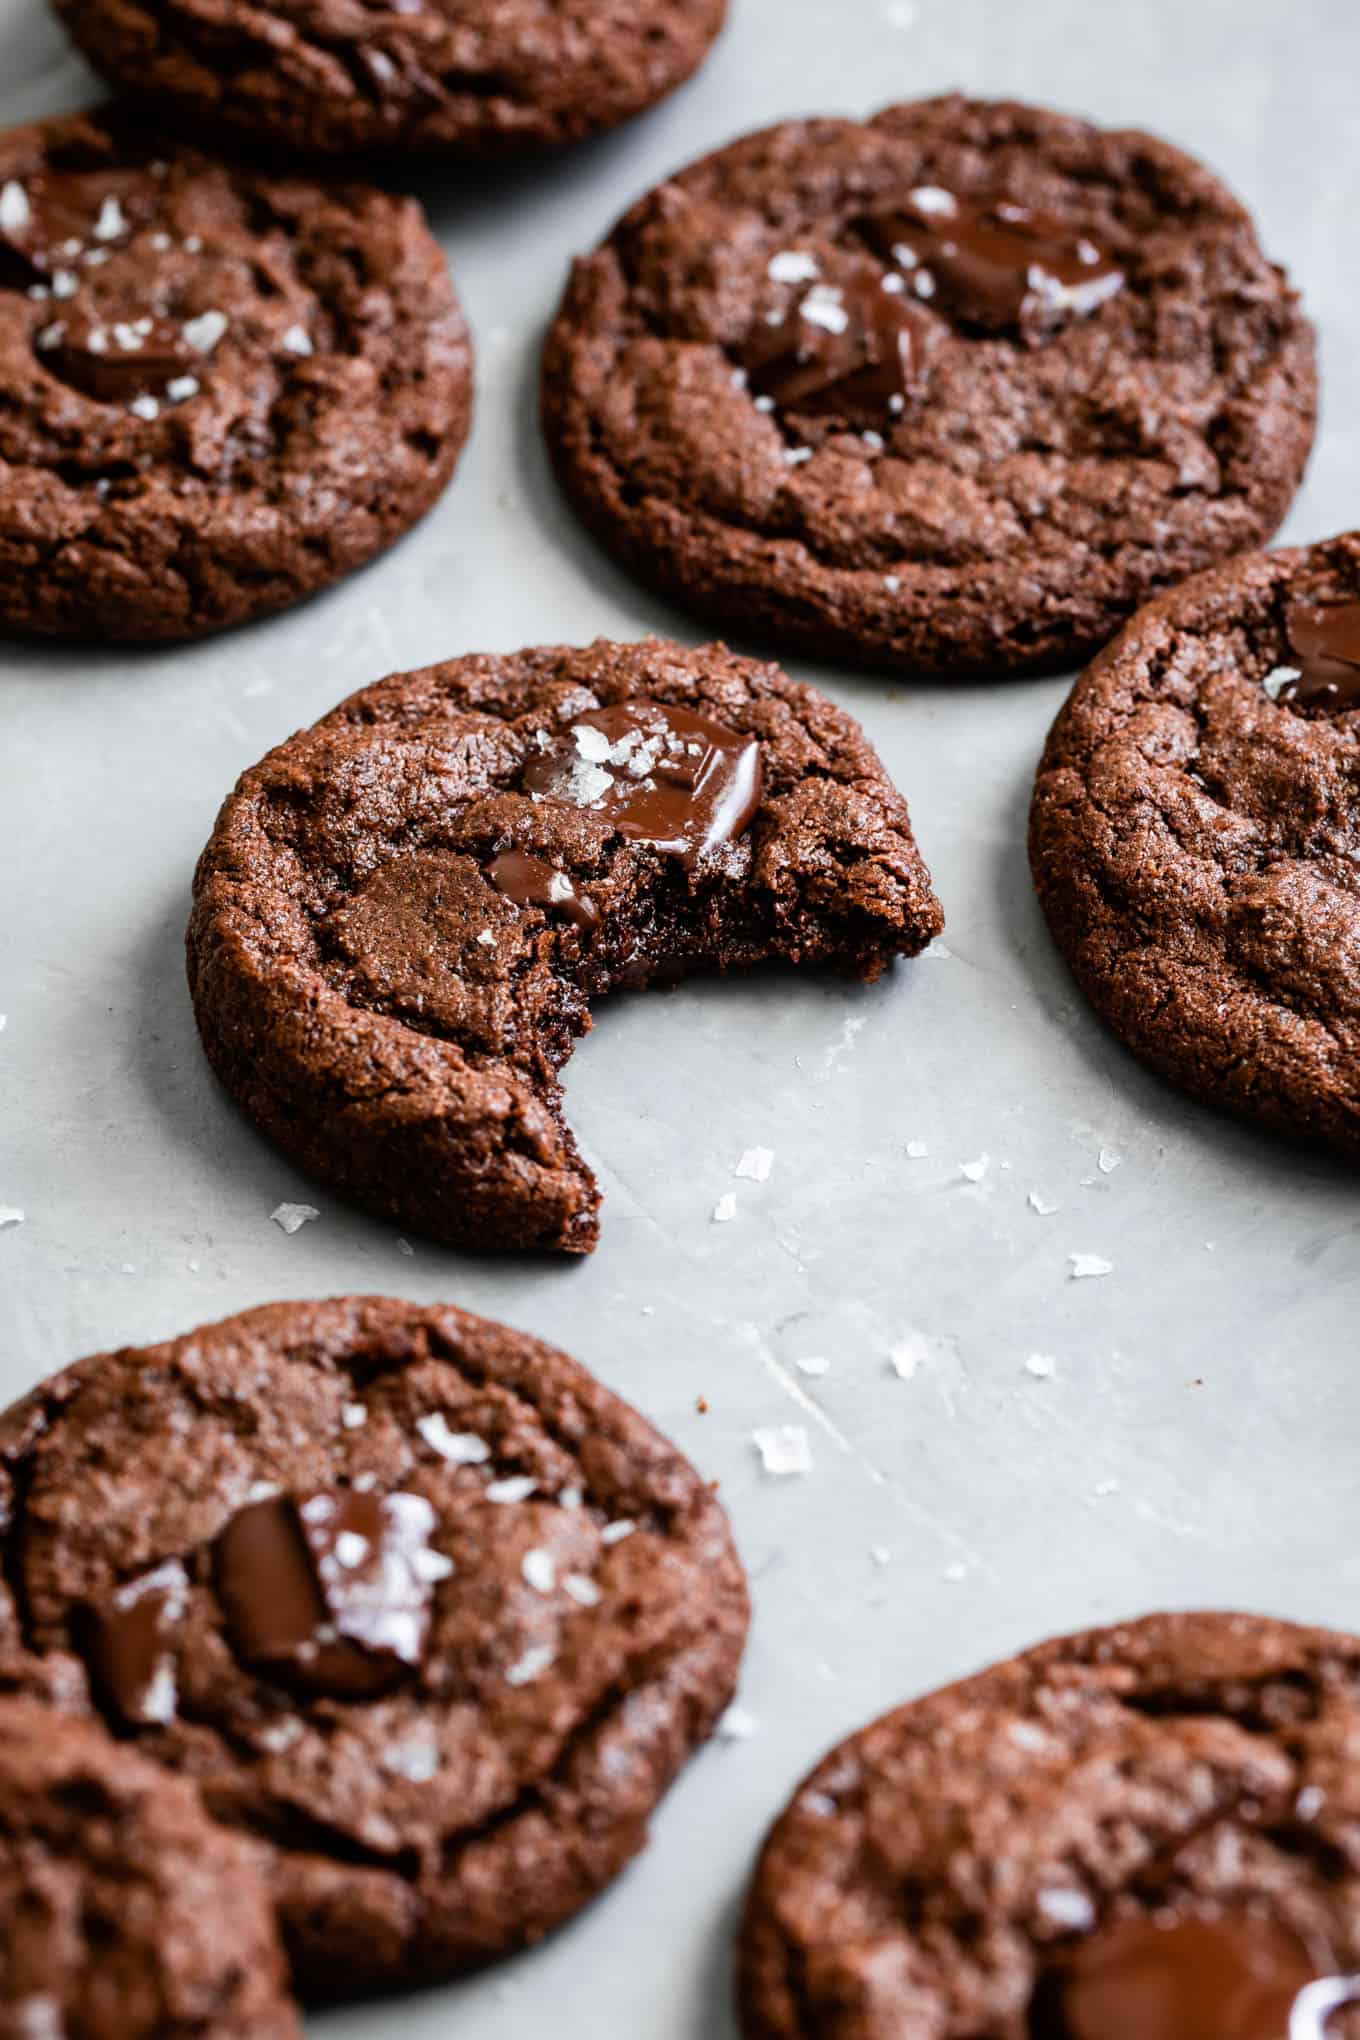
(125, 1913)
(403, 912)
(953, 390)
(1195, 838)
(221, 391)
(453, 77)
(409, 1596)
(1144, 1831)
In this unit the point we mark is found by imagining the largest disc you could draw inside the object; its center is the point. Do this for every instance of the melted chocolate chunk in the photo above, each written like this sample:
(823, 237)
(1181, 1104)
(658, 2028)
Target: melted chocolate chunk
(130, 1644)
(331, 1590)
(52, 222)
(117, 360)
(1235, 1978)
(993, 265)
(839, 348)
(1324, 638)
(533, 882)
(660, 775)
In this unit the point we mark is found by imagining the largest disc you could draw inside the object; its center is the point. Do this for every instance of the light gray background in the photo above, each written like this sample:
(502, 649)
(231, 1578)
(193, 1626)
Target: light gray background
(1192, 1447)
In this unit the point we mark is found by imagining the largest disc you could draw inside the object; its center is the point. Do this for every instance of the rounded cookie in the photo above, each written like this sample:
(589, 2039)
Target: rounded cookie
(403, 912)
(1145, 1830)
(449, 77)
(409, 1596)
(1195, 838)
(951, 390)
(221, 390)
(124, 1910)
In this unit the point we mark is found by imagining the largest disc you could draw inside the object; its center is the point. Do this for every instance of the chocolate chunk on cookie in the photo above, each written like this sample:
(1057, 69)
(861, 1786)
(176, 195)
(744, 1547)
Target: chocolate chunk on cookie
(953, 390)
(1143, 1831)
(411, 1598)
(125, 1910)
(1195, 838)
(448, 77)
(403, 912)
(222, 391)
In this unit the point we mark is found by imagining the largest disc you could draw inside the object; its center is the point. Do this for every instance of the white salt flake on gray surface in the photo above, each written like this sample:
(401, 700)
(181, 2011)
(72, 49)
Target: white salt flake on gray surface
(880, 1554)
(725, 1210)
(755, 1164)
(11, 1214)
(784, 1449)
(614, 1533)
(955, 1573)
(15, 210)
(1045, 1206)
(531, 1666)
(1042, 1366)
(814, 1365)
(917, 1150)
(1103, 1488)
(353, 1416)
(516, 1487)
(460, 1448)
(297, 340)
(4, 1022)
(1107, 1161)
(792, 265)
(204, 332)
(738, 1724)
(405, 1247)
(975, 1171)
(582, 1590)
(1277, 680)
(290, 1218)
(1067, 1908)
(1085, 1267)
(539, 1569)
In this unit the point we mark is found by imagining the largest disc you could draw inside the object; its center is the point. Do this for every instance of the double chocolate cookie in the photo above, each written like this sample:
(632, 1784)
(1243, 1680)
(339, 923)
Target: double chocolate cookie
(1195, 838)
(464, 77)
(1145, 1831)
(953, 390)
(410, 1598)
(403, 912)
(125, 1913)
(221, 391)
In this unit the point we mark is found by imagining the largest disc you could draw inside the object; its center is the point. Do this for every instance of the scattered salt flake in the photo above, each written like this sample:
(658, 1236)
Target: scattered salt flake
(1045, 1206)
(204, 332)
(765, 404)
(571, 1498)
(614, 1533)
(416, 1759)
(487, 939)
(783, 1449)
(1084, 1267)
(193, 244)
(353, 1416)
(516, 1487)
(975, 1171)
(917, 1150)
(814, 1365)
(794, 456)
(738, 1724)
(539, 1570)
(725, 1209)
(1108, 1161)
(38, 2016)
(531, 1666)
(145, 407)
(1067, 1908)
(460, 1448)
(297, 340)
(1309, 1803)
(290, 1217)
(1105, 1487)
(279, 1735)
(582, 1590)
(1277, 680)
(755, 1164)
(792, 265)
(15, 210)
(4, 1022)
(405, 1247)
(952, 1574)
(892, 582)
(880, 1554)
(824, 306)
(1042, 1366)
(111, 222)
(63, 283)
(11, 1214)
(182, 388)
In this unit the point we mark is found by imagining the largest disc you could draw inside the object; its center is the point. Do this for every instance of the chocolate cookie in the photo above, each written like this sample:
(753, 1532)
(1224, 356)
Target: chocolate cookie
(456, 77)
(403, 912)
(221, 391)
(1145, 1831)
(953, 390)
(1195, 838)
(409, 1596)
(125, 1913)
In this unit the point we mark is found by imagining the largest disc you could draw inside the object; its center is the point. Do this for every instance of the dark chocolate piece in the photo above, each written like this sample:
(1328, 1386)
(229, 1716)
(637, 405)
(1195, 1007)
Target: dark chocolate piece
(1324, 638)
(533, 882)
(1227, 1978)
(860, 345)
(130, 1647)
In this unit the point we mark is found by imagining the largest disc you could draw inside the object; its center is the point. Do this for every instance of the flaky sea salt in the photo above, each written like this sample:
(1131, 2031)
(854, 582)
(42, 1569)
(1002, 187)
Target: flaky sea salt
(917, 1150)
(15, 210)
(1042, 1366)
(111, 222)
(755, 1164)
(516, 1487)
(11, 1214)
(1083, 1267)
(792, 265)
(582, 1589)
(182, 388)
(145, 407)
(204, 332)
(290, 1218)
(814, 1366)
(460, 1448)
(531, 1666)
(539, 1570)
(1107, 1161)
(783, 1449)
(738, 1724)
(615, 1532)
(297, 340)
(353, 1416)
(1067, 1908)
(975, 1171)
(1278, 679)
(725, 1210)
(1043, 1205)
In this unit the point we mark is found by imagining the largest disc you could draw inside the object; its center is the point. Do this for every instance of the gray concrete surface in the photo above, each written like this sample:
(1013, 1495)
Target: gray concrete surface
(1193, 1445)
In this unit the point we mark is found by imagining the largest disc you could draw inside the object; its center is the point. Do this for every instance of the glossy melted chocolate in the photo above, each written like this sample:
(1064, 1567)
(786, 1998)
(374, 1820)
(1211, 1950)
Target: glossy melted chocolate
(839, 348)
(117, 360)
(130, 1644)
(1324, 640)
(533, 882)
(1231, 1978)
(660, 775)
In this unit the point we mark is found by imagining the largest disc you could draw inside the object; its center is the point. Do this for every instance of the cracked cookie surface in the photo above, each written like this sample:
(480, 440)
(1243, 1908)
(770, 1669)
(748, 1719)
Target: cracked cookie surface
(221, 391)
(1195, 842)
(785, 397)
(125, 1913)
(404, 911)
(941, 1869)
(408, 1596)
(452, 77)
